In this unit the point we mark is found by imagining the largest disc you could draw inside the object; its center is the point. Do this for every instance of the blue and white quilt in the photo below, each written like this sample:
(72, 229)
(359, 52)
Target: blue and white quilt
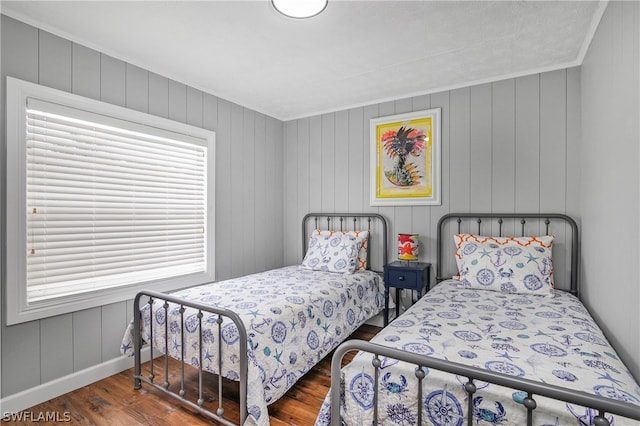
(550, 339)
(294, 317)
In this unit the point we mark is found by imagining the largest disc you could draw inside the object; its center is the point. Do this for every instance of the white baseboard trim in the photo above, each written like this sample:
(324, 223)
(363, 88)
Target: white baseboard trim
(46, 391)
(378, 320)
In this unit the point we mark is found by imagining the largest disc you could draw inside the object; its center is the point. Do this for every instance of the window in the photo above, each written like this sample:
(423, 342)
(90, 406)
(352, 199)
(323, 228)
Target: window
(102, 202)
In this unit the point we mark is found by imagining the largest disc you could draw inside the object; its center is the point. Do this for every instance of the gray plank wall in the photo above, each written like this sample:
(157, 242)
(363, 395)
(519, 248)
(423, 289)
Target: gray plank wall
(248, 191)
(508, 146)
(610, 178)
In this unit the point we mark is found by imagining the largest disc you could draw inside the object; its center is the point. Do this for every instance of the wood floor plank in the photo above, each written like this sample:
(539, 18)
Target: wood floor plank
(113, 401)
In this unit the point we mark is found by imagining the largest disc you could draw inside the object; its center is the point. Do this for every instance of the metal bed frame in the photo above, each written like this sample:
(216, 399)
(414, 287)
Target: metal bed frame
(601, 405)
(327, 221)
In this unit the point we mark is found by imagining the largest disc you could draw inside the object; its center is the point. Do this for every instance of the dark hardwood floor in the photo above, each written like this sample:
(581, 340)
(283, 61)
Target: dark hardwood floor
(113, 401)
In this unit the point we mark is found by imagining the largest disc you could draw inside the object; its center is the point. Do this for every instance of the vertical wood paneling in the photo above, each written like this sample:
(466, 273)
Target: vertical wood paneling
(113, 81)
(158, 95)
(236, 159)
(194, 107)
(20, 357)
(610, 182)
(224, 211)
(210, 112)
(210, 122)
(481, 148)
(275, 200)
(503, 151)
(460, 149)
(553, 144)
(19, 51)
(54, 61)
(137, 90)
(315, 164)
(262, 219)
(177, 101)
(432, 214)
(248, 204)
(328, 169)
(573, 164)
(115, 318)
(56, 347)
(302, 182)
(358, 156)
(503, 148)
(87, 351)
(527, 149)
(291, 190)
(369, 112)
(553, 149)
(85, 72)
(573, 141)
(341, 155)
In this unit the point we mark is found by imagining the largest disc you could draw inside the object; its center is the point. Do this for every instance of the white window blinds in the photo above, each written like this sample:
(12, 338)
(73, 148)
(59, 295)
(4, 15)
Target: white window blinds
(109, 202)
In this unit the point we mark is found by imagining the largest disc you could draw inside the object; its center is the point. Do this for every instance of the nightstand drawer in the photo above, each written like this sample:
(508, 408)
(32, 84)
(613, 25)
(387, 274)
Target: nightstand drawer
(403, 279)
(402, 275)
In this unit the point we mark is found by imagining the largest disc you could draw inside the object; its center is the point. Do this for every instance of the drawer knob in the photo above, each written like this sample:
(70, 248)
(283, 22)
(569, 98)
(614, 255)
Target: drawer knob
(401, 278)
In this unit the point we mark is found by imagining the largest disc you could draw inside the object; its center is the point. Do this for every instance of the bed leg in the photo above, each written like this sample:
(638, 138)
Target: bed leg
(137, 339)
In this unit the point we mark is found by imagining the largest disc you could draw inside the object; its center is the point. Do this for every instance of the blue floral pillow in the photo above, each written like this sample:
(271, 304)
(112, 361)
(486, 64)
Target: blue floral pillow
(505, 264)
(332, 253)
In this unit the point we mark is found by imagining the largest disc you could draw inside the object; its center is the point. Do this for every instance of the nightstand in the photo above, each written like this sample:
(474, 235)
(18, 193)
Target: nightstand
(404, 275)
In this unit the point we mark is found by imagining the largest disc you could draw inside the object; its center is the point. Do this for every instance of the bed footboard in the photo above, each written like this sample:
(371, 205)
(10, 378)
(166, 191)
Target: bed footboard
(601, 405)
(181, 395)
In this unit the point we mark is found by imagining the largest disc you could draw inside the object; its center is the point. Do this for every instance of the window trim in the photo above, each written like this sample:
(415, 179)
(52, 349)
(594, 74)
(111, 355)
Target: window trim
(16, 306)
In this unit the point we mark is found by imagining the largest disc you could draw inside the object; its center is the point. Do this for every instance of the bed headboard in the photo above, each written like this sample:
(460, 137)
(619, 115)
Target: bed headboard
(375, 223)
(565, 245)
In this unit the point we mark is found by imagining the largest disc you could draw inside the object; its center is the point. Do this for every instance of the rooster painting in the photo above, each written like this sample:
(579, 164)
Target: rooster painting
(400, 145)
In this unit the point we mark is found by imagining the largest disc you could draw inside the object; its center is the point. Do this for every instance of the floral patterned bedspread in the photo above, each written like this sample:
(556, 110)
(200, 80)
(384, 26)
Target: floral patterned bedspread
(293, 316)
(548, 339)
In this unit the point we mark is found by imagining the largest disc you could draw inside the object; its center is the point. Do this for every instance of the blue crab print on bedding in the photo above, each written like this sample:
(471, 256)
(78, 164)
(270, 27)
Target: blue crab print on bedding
(549, 339)
(293, 316)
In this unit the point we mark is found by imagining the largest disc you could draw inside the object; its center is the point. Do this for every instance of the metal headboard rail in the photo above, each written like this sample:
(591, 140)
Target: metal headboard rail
(546, 217)
(344, 218)
(600, 404)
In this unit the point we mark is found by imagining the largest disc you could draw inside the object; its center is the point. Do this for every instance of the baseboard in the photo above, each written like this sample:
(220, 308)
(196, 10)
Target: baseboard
(46, 391)
(377, 320)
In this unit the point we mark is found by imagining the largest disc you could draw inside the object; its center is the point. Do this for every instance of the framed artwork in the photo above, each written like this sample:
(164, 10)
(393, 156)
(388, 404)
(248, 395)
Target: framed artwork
(405, 159)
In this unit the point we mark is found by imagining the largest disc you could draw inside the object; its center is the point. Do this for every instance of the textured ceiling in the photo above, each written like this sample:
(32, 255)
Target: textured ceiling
(354, 53)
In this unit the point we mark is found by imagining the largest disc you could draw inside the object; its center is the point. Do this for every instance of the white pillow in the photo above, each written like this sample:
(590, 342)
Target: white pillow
(332, 253)
(362, 236)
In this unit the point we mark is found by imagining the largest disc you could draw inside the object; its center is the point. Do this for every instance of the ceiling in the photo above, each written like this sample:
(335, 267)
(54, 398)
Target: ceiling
(354, 53)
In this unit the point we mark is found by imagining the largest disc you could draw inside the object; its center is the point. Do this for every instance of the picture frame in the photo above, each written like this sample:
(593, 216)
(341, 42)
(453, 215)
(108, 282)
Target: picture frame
(405, 159)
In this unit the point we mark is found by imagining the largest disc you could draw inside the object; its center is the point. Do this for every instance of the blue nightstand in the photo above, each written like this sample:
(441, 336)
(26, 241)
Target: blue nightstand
(404, 275)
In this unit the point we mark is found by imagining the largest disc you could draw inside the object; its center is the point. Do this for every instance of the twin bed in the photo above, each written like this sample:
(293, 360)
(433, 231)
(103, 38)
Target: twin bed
(498, 345)
(266, 330)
